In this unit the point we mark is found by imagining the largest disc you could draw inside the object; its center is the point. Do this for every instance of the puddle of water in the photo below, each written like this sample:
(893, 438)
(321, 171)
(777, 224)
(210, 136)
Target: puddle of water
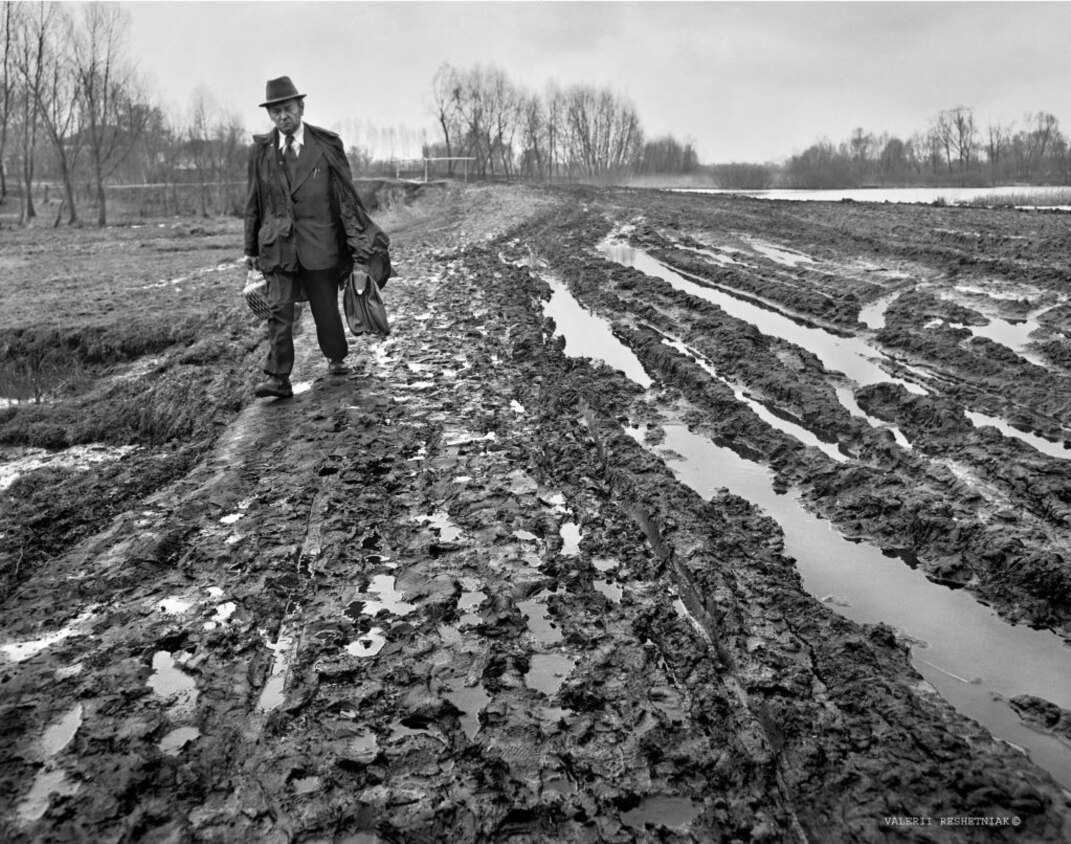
(466, 439)
(390, 599)
(525, 536)
(547, 672)
(800, 433)
(1058, 450)
(20, 651)
(301, 387)
(170, 682)
(847, 399)
(556, 501)
(441, 524)
(467, 602)
(541, 627)
(17, 462)
(570, 533)
(271, 696)
(779, 254)
(974, 658)
(48, 781)
(676, 813)
(68, 671)
(1014, 335)
(368, 644)
(231, 519)
(721, 257)
(589, 336)
(852, 356)
(610, 590)
(470, 700)
(175, 742)
(306, 785)
(174, 606)
(605, 564)
(60, 734)
(873, 315)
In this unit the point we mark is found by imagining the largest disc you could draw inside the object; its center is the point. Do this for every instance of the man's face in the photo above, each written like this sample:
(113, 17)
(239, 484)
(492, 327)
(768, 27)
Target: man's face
(286, 115)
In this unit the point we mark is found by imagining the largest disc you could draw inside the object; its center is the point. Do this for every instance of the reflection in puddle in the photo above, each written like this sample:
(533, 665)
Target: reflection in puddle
(1037, 443)
(676, 813)
(1014, 335)
(759, 409)
(272, 694)
(175, 742)
(847, 399)
(965, 638)
(873, 315)
(547, 672)
(589, 336)
(850, 355)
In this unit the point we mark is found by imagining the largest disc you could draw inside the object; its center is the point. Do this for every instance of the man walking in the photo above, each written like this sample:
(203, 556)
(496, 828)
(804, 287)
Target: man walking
(306, 230)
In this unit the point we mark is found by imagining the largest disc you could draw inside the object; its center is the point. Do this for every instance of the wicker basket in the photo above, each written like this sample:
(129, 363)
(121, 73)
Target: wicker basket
(256, 294)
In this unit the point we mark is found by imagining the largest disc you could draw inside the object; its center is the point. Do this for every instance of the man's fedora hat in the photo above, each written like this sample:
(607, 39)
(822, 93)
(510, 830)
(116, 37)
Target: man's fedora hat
(279, 91)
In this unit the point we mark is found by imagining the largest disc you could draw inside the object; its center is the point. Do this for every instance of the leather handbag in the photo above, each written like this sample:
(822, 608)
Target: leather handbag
(364, 308)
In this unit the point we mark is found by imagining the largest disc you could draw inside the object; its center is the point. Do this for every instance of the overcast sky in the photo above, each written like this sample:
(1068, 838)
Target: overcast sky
(752, 81)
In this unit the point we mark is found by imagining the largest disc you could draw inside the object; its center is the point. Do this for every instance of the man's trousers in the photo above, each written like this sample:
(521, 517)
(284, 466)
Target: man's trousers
(321, 289)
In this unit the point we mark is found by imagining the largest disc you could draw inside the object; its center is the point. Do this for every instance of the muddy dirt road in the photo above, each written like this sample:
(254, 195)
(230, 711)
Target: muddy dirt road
(657, 518)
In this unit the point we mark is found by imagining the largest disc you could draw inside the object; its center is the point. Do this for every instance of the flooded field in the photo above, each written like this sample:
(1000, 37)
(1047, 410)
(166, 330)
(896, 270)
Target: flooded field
(657, 517)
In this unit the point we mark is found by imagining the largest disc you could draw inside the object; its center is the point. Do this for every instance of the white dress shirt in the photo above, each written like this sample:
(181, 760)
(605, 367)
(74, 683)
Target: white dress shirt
(299, 140)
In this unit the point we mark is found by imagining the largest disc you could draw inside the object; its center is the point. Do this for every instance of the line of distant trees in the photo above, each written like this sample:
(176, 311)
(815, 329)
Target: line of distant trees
(575, 132)
(953, 150)
(75, 119)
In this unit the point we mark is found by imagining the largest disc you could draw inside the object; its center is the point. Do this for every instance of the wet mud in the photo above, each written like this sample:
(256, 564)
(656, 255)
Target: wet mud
(466, 593)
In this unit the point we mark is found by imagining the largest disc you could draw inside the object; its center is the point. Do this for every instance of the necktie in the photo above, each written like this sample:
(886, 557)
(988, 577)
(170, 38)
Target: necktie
(289, 154)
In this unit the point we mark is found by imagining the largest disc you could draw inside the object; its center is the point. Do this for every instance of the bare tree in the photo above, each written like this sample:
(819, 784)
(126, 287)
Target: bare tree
(110, 114)
(1036, 141)
(30, 61)
(998, 139)
(534, 156)
(446, 95)
(59, 108)
(964, 134)
(7, 88)
(554, 98)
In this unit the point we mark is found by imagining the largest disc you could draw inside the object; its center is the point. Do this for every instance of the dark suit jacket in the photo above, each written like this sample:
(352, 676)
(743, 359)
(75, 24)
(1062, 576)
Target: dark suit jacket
(273, 220)
(317, 227)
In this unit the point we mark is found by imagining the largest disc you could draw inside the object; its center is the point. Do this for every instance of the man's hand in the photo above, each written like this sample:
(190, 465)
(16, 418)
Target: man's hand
(250, 262)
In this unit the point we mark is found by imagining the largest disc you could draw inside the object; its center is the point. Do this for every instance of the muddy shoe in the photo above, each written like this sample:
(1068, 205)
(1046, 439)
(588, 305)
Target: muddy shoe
(274, 386)
(337, 367)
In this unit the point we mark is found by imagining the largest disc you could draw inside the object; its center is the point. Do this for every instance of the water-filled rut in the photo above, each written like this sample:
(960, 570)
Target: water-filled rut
(972, 657)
